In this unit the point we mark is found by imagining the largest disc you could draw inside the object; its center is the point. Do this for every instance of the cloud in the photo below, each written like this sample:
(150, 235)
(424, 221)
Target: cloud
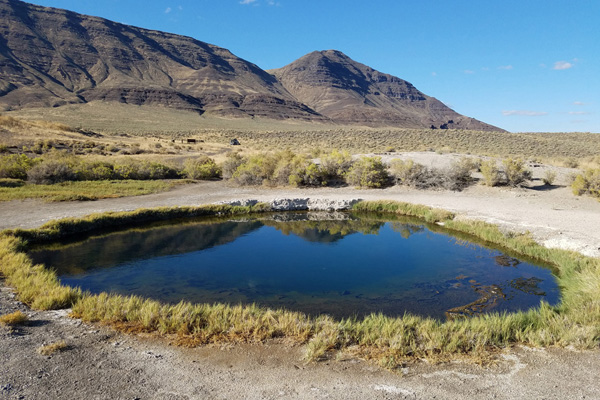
(578, 112)
(247, 1)
(168, 10)
(524, 113)
(560, 65)
(579, 103)
(506, 67)
(468, 71)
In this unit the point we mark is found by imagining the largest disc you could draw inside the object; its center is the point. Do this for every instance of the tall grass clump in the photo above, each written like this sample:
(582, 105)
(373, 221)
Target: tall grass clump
(35, 285)
(587, 182)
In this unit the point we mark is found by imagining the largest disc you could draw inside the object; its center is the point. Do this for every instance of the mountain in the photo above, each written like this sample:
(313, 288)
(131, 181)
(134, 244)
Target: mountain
(51, 57)
(348, 92)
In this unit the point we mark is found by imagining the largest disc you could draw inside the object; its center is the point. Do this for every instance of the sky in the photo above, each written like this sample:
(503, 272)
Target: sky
(522, 65)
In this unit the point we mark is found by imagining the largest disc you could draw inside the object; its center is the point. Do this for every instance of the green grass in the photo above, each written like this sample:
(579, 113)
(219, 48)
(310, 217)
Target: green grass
(86, 190)
(575, 321)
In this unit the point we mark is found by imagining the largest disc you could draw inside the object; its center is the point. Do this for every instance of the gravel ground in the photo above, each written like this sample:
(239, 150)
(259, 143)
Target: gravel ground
(101, 364)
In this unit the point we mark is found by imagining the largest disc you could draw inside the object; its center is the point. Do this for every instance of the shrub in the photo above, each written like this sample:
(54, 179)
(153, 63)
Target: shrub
(587, 182)
(458, 175)
(145, 170)
(549, 177)
(94, 171)
(15, 166)
(49, 172)
(233, 161)
(255, 170)
(410, 173)
(201, 168)
(515, 171)
(490, 172)
(368, 172)
(11, 183)
(335, 165)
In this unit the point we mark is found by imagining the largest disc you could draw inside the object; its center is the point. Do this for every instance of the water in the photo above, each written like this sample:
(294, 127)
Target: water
(351, 265)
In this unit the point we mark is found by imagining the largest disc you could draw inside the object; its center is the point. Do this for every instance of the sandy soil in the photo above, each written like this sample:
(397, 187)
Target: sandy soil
(101, 364)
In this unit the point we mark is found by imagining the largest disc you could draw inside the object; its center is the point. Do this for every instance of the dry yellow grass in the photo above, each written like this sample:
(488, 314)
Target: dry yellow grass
(12, 319)
(52, 348)
(157, 125)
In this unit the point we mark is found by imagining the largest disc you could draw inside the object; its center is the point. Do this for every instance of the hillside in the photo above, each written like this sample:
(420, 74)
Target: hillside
(51, 57)
(349, 92)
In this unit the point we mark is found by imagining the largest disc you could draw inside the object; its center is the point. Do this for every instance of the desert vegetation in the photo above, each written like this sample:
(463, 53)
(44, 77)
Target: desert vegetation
(389, 341)
(587, 182)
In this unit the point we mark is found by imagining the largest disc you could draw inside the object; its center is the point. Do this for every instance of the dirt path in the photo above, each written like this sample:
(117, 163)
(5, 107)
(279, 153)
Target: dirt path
(101, 364)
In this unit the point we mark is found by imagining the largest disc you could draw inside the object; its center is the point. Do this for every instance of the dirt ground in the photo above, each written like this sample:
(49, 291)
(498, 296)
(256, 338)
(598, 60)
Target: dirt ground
(101, 364)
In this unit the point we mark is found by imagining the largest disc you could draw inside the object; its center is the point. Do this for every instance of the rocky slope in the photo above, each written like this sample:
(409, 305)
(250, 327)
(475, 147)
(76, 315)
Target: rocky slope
(51, 57)
(349, 92)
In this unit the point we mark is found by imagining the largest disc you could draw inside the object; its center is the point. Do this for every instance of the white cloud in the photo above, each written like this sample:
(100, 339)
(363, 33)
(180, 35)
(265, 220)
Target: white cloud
(168, 10)
(560, 65)
(247, 1)
(578, 112)
(579, 103)
(468, 71)
(506, 67)
(525, 113)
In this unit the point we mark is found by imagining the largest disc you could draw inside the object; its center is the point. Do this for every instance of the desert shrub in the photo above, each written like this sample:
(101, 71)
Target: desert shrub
(94, 171)
(11, 183)
(15, 166)
(3, 148)
(145, 170)
(231, 163)
(587, 182)
(255, 170)
(368, 172)
(335, 165)
(458, 176)
(410, 173)
(51, 171)
(571, 163)
(491, 173)
(549, 177)
(515, 171)
(201, 168)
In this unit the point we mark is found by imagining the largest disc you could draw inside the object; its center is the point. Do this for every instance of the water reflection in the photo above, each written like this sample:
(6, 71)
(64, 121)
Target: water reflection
(340, 264)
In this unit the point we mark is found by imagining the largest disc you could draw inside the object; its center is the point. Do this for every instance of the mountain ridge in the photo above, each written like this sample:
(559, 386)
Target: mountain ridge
(51, 57)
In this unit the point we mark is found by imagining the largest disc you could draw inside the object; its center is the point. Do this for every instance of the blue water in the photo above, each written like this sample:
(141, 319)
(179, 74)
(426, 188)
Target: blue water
(344, 268)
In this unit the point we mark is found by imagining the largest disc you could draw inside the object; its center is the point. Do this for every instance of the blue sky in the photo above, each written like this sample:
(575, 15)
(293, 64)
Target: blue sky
(525, 66)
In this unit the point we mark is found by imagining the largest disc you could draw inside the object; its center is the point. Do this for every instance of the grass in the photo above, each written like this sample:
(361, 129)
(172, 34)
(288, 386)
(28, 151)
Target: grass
(13, 319)
(388, 341)
(263, 135)
(86, 190)
(52, 348)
